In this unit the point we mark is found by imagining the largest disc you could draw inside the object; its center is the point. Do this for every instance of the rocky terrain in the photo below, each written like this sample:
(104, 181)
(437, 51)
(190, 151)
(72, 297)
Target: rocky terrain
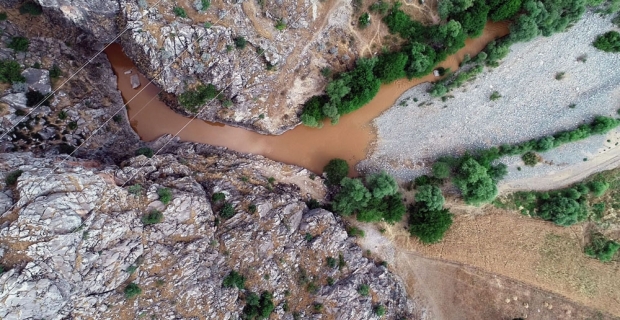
(85, 109)
(275, 73)
(72, 239)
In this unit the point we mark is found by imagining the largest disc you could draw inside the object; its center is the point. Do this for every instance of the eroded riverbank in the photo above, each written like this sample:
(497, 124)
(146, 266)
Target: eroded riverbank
(351, 139)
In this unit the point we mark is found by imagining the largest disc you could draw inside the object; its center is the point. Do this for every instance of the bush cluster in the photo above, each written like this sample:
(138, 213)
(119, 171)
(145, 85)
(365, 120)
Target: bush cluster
(10, 72)
(428, 220)
(258, 307)
(192, 99)
(234, 279)
(376, 200)
(601, 248)
(608, 42)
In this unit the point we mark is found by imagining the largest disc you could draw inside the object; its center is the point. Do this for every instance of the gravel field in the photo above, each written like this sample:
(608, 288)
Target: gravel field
(533, 104)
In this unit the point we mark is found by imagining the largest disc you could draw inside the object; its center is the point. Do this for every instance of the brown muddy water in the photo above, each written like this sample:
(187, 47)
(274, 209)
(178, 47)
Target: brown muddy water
(351, 139)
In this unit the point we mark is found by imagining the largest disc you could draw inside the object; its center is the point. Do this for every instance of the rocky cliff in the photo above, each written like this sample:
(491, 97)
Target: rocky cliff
(264, 84)
(72, 236)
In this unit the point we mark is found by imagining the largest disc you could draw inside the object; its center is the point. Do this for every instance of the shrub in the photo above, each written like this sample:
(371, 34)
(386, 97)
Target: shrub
(280, 25)
(379, 310)
(608, 42)
(35, 97)
(19, 44)
(191, 99)
(205, 4)
(429, 198)
(30, 7)
(381, 185)
(313, 204)
(363, 290)
(560, 75)
(598, 188)
(258, 307)
(562, 210)
(530, 158)
(132, 290)
(391, 66)
(355, 232)
(153, 217)
(165, 195)
(3, 16)
(336, 170)
(234, 279)
(11, 178)
(601, 248)
(72, 125)
(429, 226)
(227, 211)
(218, 196)
(441, 170)
(55, 72)
(331, 262)
(495, 95)
(240, 42)
(389, 209)
(145, 151)
(131, 269)
(179, 12)
(363, 21)
(252, 208)
(135, 189)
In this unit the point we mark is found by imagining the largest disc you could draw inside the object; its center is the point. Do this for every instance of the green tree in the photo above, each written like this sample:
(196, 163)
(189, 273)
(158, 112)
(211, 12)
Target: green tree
(475, 183)
(421, 60)
(19, 44)
(506, 10)
(562, 210)
(391, 66)
(353, 196)
(430, 197)
(10, 72)
(474, 19)
(381, 185)
(363, 21)
(598, 188)
(429, 226)
(441, 170)
(335, 170)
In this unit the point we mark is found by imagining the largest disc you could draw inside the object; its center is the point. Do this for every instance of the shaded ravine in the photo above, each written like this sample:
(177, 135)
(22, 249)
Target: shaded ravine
(351, 139)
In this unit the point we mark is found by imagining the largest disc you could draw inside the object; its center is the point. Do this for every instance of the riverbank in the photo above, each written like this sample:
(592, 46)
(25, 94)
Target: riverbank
(533, 104)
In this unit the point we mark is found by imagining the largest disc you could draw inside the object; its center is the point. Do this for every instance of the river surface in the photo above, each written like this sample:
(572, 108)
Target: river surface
(351, 139)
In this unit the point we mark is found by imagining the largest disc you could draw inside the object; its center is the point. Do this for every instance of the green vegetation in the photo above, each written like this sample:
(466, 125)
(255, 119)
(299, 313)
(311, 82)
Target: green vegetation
(441, 170)
(363, 290)
(205, 4)
(363, 21)
(380, 7)
(135, 189)
(331, 262)
(475, 181)
(227, 211)
(55, 72)
(19, 44)
(258, 307)
(240, 42)
(218, 196)
(179, 12)
(428, 220)
(530, 158)
(10, 72)
(131, 269)
(280, 25)
(608, 42)
(560, 75)
(3, 16)
(145, 151)
(153, 217)
(495, 95)
(11, 178)
(379, 310)
(31, 8)
(192, 99)
(355, 232)
(601, 248)
(336, 170)
(234, 279)
(132, 290)
(34, 98)
(165, 195)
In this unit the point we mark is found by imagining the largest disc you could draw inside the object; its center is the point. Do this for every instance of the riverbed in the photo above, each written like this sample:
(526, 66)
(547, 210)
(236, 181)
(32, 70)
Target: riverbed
(351, 139)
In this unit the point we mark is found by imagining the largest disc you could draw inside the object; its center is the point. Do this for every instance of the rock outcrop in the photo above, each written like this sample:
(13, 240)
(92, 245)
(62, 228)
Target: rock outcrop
(264, 56)
(72, 238)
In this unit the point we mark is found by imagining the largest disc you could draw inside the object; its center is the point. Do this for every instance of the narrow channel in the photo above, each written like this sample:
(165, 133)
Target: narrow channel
(351, 139)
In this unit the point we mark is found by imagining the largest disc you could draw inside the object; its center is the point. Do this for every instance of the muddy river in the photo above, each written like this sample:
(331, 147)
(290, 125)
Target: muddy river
(351, 139)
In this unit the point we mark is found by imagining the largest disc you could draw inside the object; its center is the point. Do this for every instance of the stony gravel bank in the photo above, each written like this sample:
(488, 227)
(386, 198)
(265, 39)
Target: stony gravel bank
(533, 104)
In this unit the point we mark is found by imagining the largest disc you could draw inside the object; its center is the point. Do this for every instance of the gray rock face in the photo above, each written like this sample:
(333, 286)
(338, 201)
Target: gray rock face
(94, 16)
(38, 80)
(76, 238)
(135, 81)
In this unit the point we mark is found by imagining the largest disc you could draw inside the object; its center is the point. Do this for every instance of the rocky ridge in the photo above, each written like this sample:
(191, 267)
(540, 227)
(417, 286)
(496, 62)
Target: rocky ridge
(178, 53)
(75, 239)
